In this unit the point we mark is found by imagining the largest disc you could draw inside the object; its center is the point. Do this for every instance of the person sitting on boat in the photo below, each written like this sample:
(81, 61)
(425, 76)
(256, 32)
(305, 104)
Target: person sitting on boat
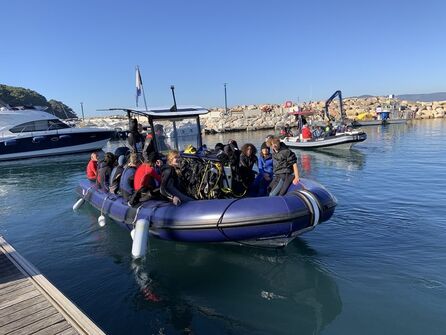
(126, 184)
(104, 171)
(115, 176)
(135, 139)
(329, 129)
(170, 180)
(145, 181)
(288, 132)
(265, 175)
(318, 132)
(284, 168)
(306, 132)
(92, 167)
(233, 153)
(247, 160)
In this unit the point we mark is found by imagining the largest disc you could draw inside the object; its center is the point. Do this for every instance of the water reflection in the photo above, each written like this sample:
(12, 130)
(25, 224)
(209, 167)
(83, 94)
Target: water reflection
(349, 160)
(237, 289)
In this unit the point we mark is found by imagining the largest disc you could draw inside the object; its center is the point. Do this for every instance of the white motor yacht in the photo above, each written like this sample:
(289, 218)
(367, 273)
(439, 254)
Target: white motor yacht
(27, 132)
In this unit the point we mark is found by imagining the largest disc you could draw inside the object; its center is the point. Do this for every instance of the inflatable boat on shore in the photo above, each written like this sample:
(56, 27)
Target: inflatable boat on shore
(273, 221)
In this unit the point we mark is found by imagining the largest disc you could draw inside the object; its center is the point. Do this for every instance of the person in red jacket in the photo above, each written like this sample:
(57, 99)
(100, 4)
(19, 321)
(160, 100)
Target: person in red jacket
(146, 181)
(92, 167)
(306, 133)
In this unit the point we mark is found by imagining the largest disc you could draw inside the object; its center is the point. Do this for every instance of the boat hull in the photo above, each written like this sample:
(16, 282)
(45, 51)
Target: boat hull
(41, 144)
(342, 141)
(262, 220)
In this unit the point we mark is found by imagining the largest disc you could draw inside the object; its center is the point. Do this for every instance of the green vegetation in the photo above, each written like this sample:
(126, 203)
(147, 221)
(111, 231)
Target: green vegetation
(19, 96)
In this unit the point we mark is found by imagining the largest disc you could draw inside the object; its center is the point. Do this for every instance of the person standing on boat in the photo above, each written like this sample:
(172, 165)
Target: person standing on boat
(135, 140)
(265, 175)
(170, 180)
(284, 168)
(160, 138)
(92, 167)
(126, 184)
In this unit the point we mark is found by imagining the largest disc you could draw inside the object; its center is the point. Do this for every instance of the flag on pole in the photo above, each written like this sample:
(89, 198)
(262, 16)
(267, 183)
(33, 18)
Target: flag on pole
(138, 85)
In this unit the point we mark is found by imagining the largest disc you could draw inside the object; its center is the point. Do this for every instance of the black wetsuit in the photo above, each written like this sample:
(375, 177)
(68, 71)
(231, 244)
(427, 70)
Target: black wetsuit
(135, 140)
(115, 178)
(283, 162)
(104, 172)
(170, 184)
(247, 175)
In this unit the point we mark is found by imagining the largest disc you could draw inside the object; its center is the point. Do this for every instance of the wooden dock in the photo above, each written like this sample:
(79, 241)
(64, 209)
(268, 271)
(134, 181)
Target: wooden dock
(30, 304)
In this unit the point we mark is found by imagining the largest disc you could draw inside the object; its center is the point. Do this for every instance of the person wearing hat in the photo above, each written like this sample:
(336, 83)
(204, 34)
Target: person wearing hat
(265, 175)
(115, 175)
(145, 182)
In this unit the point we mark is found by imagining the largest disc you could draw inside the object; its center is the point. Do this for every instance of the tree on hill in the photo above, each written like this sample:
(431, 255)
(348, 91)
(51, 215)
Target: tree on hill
(61, 110)
(19, 96)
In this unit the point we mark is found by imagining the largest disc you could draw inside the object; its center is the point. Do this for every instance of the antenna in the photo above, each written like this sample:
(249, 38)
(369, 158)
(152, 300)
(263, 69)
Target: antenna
(174, 107)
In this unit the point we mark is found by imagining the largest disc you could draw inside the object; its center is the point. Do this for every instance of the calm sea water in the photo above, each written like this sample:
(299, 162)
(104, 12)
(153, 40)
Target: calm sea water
(377, 267)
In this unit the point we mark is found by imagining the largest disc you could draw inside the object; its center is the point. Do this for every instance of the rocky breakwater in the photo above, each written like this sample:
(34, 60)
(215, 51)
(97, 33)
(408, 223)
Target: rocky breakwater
(255, 117)
(252, 117)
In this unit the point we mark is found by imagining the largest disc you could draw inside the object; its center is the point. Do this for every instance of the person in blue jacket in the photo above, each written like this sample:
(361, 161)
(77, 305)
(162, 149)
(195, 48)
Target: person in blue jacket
(265, 175)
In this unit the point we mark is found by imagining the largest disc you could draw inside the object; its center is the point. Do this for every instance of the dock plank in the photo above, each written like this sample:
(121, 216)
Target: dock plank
(16, 293)
(28, 319)
(69, 331)
(57, 328)
(21, 305)
(29, 310)
(16, 286)
(39, 325)
(26, 296)
(30, 304)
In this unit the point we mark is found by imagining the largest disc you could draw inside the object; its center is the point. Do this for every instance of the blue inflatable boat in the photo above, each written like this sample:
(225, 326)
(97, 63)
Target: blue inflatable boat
(271, 221)
(261, 220)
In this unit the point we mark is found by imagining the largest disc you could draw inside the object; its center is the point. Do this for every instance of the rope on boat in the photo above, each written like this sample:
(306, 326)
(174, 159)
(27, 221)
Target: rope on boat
(136, 215)
(220, 220)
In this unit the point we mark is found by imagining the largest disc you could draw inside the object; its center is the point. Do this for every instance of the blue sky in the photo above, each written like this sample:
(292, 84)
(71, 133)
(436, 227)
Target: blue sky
(267, 51)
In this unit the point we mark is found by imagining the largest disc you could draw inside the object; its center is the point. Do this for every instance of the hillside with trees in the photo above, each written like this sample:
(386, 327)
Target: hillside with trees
(19, 96)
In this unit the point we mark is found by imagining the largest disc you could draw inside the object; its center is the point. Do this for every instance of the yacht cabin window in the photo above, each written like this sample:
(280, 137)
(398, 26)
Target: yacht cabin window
(40, 125)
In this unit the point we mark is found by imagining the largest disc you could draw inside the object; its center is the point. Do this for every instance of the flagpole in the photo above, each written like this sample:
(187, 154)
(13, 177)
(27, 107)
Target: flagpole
(142, 88)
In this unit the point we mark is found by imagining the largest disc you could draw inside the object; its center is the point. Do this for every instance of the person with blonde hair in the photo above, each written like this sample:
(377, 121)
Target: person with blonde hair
(170, 180)
(284, 168)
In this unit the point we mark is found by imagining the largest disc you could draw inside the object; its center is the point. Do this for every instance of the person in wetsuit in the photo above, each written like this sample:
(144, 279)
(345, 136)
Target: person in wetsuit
(146, 181)
(284, 168)
(115, 176)
(104, 171)
(170, 180)
(126, 184)
(247, 160)
(135, 139)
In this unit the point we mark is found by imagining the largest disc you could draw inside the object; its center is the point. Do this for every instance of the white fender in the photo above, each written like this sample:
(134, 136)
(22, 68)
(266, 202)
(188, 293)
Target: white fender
(132, 234)
(314, 206)
(78, 204)
(102, 221)
(141, 238)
